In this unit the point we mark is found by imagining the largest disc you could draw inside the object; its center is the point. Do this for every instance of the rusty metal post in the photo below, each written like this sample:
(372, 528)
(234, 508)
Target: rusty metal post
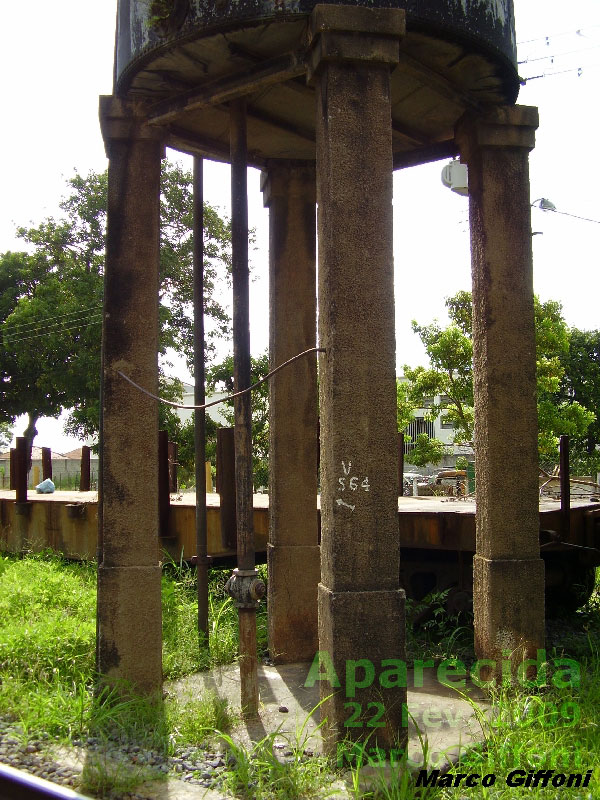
(21, 458)
(565, 486)
(84, 478)
(13, 468)
(401, 464)
(173, 454)
(242, 404)
(163, 482)
(46, 463)
(199, 400)
(226, 486)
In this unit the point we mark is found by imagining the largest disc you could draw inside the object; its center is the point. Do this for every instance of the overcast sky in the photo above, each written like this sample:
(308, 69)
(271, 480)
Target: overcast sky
(57, 59)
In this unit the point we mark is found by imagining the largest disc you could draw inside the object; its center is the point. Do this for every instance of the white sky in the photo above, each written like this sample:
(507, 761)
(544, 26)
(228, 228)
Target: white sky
(57, 58)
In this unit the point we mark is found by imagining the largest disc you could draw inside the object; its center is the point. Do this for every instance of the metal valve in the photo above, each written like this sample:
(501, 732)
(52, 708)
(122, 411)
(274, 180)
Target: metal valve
(246, 588)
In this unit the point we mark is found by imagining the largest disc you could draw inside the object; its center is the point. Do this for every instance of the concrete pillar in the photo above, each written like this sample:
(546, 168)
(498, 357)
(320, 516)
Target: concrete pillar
(508, 570)
(293, 551)
(129, 607)
(361, 608)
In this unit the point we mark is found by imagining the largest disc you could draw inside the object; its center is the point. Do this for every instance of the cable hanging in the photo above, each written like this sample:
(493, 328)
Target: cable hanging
(578, 32)
(8, 339)
(34, 323)
(229, 397)
(43, 330)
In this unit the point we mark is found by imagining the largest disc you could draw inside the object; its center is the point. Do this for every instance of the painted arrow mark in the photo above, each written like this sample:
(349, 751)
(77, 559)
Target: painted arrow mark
(340, 502)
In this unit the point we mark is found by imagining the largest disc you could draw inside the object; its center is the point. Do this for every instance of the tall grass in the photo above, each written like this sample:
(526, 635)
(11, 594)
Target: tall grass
(47, 652)
(47, 640)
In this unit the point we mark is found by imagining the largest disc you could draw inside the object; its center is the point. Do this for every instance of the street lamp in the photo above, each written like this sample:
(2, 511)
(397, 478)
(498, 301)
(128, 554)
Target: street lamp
(544, 204)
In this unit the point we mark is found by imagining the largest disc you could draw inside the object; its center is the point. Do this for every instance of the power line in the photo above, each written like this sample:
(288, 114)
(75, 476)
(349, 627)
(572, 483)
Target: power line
(558, 55)
(578, 70)
(567, 214)
(56, 330)
(578, 32)
(50, 319)
(42, 329)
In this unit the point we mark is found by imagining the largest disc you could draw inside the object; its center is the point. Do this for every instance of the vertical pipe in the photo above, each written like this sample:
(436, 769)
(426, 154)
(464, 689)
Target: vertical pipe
(46, 463)
(199, 400)
(226, 486)
(13, 468)
(173, 452)
(242, 406)
(401, 464)
(84, 481)
(163, 482)
(21, 458)
(565, 487)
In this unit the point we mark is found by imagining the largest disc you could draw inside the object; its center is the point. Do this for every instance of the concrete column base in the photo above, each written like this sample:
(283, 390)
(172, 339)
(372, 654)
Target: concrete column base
(293, 634)
(506, 627)
(130, 627)
(357, 632)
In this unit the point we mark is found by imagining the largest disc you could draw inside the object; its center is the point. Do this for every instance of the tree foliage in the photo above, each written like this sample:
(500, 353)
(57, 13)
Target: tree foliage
(220, 378)
(426, 451)
(450, 374)
(580, 383)
(6, 434)
(51, 298)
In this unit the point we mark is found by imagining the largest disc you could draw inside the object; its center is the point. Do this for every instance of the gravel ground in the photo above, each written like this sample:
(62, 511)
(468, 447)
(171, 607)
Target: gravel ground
(202, 768)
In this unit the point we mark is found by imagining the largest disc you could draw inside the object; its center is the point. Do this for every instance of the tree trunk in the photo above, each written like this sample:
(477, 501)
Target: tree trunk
(30, 433)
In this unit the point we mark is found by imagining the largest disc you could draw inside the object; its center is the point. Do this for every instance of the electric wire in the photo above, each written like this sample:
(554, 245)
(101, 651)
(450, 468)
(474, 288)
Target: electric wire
(567, 214)
(60, 329)
(578, 70)
(51, 319)
(57, 326)
(558, 55)
(577, 32)
(229, 397)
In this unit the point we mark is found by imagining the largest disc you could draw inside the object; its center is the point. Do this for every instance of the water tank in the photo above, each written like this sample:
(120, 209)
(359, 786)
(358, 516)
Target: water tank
(457, 54)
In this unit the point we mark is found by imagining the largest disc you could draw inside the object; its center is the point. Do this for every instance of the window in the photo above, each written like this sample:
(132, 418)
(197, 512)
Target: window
(414, 428)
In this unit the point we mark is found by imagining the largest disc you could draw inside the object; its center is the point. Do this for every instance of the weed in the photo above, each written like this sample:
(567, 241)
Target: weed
(258, 773)
(106, 776)
(189, 720)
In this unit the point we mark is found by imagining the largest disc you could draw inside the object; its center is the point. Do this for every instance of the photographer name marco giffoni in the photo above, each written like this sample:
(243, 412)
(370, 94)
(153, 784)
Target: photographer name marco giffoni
(515, 778)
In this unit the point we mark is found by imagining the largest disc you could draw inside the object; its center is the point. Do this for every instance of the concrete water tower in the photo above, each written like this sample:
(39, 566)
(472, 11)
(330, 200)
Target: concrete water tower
(328, 100)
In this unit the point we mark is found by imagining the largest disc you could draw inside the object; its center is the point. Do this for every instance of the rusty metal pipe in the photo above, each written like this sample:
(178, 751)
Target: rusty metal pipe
(241, 336)
(565, 487)
(164, 500)
(84, 478)
(46, 463)
(401, 464)
(199, 400)
(21, 459)
(242, 403)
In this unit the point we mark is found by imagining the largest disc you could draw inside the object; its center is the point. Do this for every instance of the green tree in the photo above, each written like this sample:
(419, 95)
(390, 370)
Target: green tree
(580, 383)
(51, 298)
(426, 450)
(220, 378)
(6, 434)
(450, 374)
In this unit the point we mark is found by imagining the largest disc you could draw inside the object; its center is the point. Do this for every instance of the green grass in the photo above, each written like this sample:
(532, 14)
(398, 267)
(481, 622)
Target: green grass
(47, 653)
(47, 639)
